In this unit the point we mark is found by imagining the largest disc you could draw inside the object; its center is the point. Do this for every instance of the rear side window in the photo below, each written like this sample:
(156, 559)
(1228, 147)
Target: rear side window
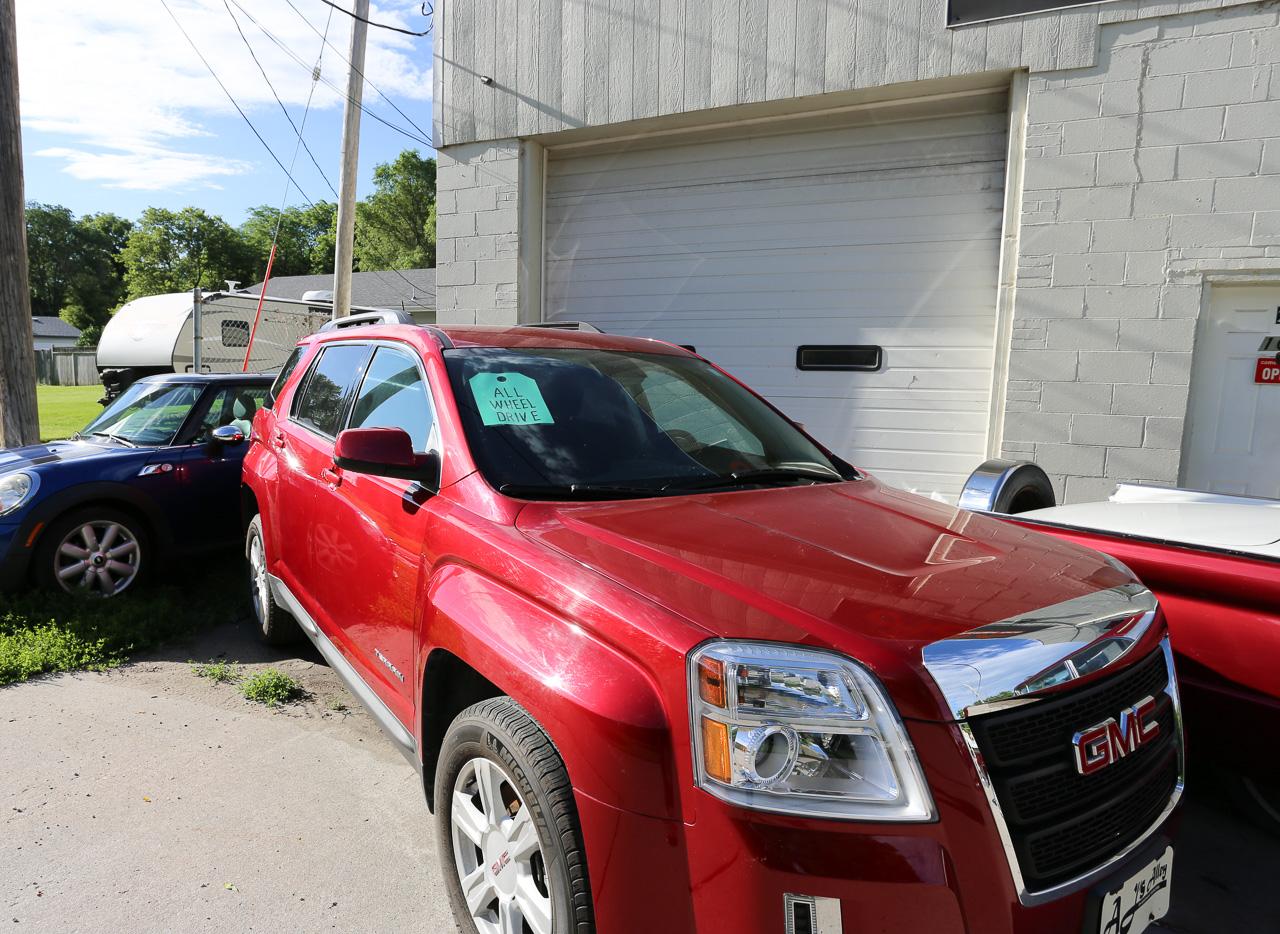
(283, 376)
(323, 399)
(393, 395)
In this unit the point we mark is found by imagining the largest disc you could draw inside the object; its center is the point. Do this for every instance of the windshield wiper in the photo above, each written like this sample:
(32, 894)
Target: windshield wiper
(761, 475)
(122, 440)
(584, 491)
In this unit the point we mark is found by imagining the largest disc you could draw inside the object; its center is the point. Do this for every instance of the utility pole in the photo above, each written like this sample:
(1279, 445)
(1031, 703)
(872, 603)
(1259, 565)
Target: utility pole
(344, 254)
(19, 423)
(197, 327)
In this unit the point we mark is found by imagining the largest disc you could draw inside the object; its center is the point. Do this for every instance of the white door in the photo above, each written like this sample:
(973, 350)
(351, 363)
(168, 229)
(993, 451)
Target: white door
(882, 229)
(1233, 437)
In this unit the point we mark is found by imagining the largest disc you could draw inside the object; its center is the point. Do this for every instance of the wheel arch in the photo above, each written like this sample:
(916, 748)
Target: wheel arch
(601, 709)
(110, 495)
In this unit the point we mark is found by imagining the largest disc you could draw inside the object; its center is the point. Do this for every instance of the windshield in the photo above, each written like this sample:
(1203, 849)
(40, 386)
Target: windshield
(146, 413)
(603, 423)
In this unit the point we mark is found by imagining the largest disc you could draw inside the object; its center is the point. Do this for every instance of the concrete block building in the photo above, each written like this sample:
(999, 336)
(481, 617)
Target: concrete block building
(931, 236)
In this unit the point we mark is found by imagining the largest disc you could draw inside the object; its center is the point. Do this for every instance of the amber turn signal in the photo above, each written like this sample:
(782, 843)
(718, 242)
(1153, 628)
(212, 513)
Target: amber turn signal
(711, 687)
(715, 749)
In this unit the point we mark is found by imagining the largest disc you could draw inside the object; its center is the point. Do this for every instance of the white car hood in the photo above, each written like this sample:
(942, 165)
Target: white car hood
(1235, 524)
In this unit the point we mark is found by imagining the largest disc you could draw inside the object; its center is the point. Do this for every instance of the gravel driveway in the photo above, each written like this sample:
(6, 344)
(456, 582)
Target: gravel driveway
(148, 800)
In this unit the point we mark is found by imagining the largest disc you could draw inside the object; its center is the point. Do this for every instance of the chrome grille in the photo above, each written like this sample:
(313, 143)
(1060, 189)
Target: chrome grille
(1060, 823)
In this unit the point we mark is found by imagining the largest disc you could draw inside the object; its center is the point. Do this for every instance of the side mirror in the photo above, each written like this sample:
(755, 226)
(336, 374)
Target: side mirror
(386, 452)
(228, 435)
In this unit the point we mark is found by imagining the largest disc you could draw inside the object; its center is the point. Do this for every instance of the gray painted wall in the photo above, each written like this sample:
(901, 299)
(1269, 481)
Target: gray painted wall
(558, 64)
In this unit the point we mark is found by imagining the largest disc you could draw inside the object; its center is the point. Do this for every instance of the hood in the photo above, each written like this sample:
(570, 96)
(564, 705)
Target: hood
(864, 569)
(56, 452)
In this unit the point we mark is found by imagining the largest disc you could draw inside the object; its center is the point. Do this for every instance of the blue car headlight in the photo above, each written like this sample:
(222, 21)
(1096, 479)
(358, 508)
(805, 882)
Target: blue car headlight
(15, 490)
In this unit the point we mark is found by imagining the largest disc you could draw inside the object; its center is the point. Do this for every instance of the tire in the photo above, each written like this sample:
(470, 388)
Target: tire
(99, 551)
(1007, 487)
(542, 866)
(275, 625)
(1029, 488)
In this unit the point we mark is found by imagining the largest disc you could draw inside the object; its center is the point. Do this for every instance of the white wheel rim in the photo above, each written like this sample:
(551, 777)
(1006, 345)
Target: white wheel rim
(258, 578)
(497, 853)
(99, 557)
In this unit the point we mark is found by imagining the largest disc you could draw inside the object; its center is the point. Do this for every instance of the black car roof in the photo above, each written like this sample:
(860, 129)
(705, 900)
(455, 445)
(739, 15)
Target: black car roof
(264, 379)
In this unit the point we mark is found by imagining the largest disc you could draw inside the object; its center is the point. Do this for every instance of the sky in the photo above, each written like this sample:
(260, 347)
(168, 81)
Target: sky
(119, 113)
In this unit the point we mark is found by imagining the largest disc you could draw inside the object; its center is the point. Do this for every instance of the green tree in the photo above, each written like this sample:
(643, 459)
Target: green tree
(306, 241)
(51, 250)
(74, 264)
(174, 251)
(97, 288)
(396, 225)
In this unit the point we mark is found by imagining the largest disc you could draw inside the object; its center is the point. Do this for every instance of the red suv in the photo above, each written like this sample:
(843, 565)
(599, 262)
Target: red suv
(667, 664)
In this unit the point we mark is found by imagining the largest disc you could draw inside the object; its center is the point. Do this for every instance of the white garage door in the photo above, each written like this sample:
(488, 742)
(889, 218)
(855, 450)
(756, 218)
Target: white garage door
(883, 231)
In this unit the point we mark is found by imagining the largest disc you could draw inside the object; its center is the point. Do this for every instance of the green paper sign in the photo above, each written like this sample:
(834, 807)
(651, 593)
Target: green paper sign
(509, 399)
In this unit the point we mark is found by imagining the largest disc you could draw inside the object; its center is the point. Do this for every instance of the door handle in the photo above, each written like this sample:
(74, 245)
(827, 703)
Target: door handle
(279, 439)
(330, 476)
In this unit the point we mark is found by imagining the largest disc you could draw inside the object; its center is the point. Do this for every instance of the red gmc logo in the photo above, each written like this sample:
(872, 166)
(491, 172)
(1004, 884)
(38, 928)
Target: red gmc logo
(1112, 740)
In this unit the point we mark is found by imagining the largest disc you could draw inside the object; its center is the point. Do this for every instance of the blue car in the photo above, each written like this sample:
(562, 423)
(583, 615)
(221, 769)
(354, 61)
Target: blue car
(155, 475)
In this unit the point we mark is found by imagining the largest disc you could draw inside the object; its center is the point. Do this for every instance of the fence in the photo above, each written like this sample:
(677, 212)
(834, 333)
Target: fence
(67, 367)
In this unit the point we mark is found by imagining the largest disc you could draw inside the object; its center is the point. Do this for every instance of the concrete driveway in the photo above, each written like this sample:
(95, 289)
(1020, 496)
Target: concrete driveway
(148, 800)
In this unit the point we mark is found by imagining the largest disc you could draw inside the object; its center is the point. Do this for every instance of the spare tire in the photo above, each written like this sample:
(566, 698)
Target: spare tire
(1008, 487)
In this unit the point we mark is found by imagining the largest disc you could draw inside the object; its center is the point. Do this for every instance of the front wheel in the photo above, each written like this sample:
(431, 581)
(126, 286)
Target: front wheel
(275, 625)
(99, 551)
(508, 828)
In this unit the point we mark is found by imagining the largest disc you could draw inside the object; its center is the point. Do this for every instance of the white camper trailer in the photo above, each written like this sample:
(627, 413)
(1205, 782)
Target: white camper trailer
(156, 334)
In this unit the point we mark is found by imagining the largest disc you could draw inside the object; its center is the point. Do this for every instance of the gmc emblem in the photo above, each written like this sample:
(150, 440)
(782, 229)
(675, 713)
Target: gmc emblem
(1112, 740)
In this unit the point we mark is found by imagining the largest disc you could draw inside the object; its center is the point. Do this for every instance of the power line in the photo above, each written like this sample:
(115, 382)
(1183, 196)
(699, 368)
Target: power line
(234, 104)
(301, 140)
(341, 92)
(370, 22)
(377, 89)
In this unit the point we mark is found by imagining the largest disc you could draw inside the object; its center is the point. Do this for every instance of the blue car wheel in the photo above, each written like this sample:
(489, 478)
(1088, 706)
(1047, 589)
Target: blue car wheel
(97, 551)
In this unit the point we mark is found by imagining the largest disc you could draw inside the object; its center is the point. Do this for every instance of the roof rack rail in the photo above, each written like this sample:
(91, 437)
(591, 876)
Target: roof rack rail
(388, 316)
(565, 326)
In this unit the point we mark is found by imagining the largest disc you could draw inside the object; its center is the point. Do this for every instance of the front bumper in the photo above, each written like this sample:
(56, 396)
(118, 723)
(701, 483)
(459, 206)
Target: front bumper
(731, 869)
(15, 557)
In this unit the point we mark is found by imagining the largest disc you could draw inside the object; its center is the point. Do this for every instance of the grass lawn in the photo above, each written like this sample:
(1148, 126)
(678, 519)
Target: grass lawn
(64, 410)
(44, 631)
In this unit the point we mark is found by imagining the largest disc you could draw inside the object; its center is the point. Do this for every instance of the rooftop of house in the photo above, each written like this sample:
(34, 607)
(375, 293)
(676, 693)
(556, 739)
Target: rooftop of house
(49, 326)
(397, 288)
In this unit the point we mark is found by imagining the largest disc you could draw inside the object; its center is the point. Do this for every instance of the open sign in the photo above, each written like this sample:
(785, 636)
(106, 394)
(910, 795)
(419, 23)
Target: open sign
(1268, 371)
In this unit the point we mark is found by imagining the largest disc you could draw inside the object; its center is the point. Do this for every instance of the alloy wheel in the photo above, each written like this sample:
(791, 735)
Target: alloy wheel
(97, 557)
(497, 853)
(258, 578)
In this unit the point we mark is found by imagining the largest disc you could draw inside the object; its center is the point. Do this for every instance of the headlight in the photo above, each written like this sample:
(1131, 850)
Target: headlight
(15, 489)
(797, 731)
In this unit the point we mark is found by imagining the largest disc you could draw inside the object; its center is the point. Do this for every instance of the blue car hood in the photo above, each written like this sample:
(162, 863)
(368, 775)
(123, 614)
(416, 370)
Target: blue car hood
(56, 452)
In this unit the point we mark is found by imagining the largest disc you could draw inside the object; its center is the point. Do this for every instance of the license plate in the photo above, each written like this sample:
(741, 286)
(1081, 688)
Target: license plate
(1139, 900)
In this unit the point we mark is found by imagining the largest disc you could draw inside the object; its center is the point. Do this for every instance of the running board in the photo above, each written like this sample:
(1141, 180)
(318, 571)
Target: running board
(390, 724)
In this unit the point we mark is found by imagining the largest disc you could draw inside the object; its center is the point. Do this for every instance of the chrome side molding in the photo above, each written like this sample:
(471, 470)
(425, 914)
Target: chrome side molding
(1008, 663)
(390, 724)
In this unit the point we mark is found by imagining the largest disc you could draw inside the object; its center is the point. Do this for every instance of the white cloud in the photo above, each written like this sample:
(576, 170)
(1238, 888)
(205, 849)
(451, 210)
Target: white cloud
(120, 82)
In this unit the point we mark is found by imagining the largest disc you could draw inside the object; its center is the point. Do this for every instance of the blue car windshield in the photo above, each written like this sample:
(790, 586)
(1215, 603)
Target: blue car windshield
(146, 414)
(603, 424)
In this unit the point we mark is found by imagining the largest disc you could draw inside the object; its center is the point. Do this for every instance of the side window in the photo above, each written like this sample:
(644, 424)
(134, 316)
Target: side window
(320, 406)
(394, 396)
(235, 333)
(688, 416)
(234, 405)
(283, 376)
